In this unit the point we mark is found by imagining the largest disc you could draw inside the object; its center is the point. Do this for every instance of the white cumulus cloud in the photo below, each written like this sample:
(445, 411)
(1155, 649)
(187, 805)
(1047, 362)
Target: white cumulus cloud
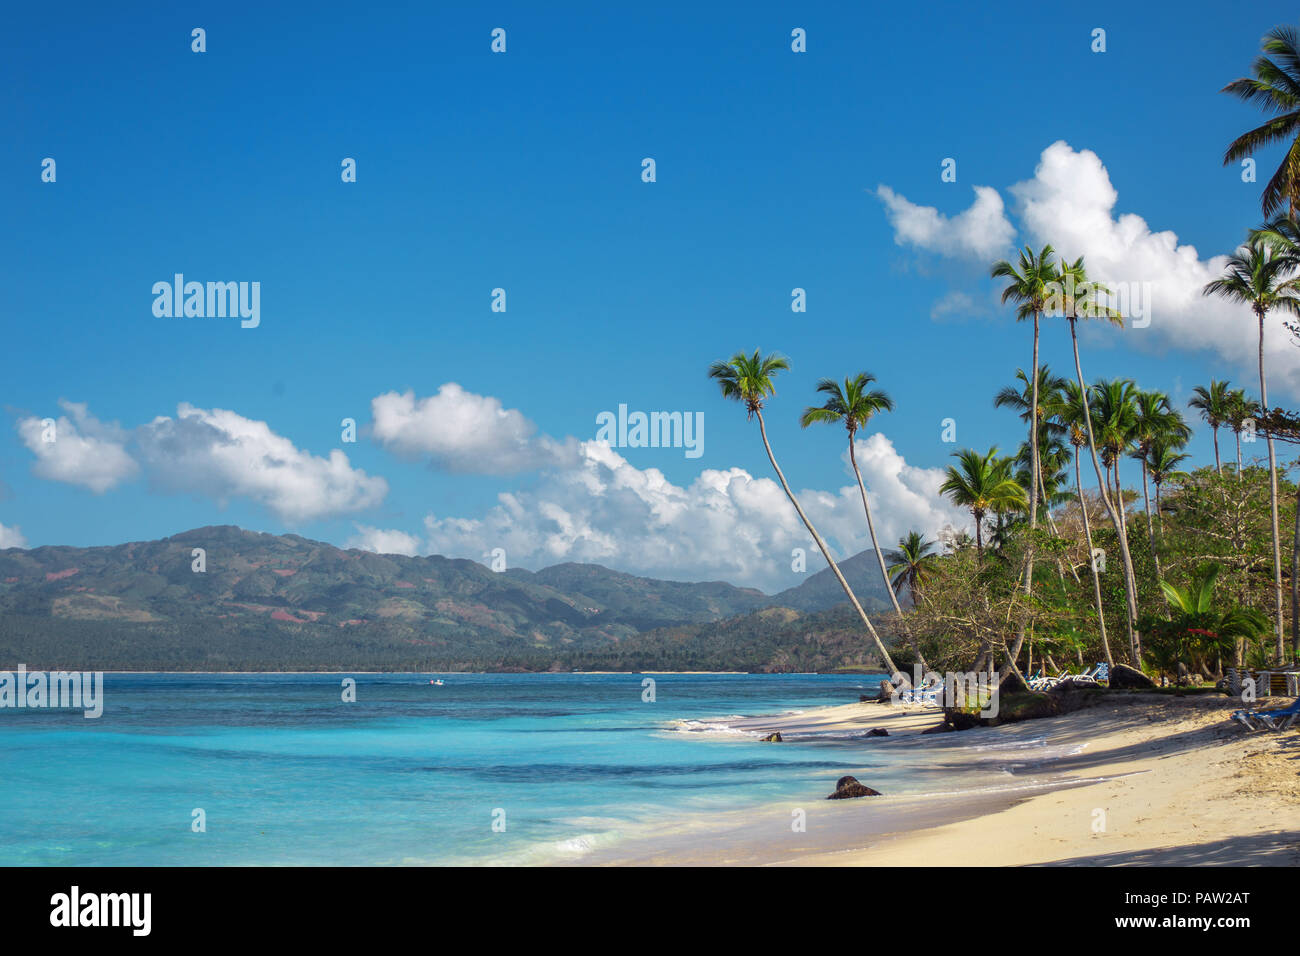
(223, 455)
(78, 448)
(12, 537)
(384, 541)
(980, 232)
(464, 432)
(726, 524)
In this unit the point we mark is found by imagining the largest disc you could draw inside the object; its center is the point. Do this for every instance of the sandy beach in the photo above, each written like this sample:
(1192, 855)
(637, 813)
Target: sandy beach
(1137, 779)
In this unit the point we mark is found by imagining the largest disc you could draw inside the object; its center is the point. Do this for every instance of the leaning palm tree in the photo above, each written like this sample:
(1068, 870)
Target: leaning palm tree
(1082, 298)
(853, 404)
(1029, 285)
(1073, 414)
(748, 379)
(1259, 276)
(983, 483)
(1212, 402)
(1241, 410)
(1274, 86)
(913, 562)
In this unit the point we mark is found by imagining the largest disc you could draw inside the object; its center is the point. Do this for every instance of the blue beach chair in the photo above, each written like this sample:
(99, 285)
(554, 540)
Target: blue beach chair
(1268, 719)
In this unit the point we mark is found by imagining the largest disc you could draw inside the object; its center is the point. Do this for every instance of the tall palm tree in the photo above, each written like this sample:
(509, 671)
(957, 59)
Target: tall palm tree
(1022, 402)
(1029, 285)
(748, 379)
(853, 404)
(1162, 461)
(1240, 410)
(1212, 402)
(1083, 299)
(1155, 422)
(1258, 276)
(1073, 413)
(983, 483)
(913, 562)
(1274, 86)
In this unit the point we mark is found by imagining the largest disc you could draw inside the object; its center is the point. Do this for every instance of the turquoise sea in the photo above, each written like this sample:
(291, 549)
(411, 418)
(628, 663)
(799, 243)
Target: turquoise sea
(286, 772)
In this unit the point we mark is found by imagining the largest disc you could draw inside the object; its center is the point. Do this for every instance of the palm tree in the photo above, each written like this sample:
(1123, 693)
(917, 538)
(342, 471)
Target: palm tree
(913, 562)
(1029, 286)
(852, 405)
(1155, 422)
(1049, 431)
(1162, 461)
(1073, 414)
(1258, 276)
(1275, 87)
(983, 483)
(1082, 298)
(748, 379)
(1212, 402)
(1240, 410)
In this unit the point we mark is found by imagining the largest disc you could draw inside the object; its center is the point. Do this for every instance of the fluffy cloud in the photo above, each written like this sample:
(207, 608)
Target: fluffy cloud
(980, 232)
(384, 541)
(224, 455)
(726, 524)
(464, 432)
(12, 537)
(1071, 202)
(78, 449)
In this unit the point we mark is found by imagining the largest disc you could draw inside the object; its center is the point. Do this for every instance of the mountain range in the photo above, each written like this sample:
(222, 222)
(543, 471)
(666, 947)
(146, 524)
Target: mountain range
(264, 601)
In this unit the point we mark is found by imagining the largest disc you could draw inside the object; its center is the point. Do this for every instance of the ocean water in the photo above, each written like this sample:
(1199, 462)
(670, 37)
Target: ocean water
(410, 773)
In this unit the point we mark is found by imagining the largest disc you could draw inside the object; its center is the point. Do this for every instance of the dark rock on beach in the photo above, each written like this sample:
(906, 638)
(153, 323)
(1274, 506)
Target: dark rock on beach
(848, 787)
(877, 732)
(887, 692)
(1123, 677)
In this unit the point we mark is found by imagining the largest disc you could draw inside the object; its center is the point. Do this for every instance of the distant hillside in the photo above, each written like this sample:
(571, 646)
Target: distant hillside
(285, 602)
(822, 590)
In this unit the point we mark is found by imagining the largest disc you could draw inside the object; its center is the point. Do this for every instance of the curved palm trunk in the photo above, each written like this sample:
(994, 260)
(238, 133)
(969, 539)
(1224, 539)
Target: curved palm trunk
(1238, 434)
(1092, 562)
(835, 568)
(880, 557)
(979, 532)
(1130, 589)
(1218, 466)
(1272, 504)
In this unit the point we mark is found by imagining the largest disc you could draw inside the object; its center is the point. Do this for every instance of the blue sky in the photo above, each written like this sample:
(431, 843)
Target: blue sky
(522, 171)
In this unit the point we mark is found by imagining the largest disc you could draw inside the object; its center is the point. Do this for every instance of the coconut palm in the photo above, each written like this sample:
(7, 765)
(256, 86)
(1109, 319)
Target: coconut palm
(1081, 298)
(1212, 402)
(983, 483)
(1155, 422)
(1022, 402)
(852, 405)
(912, 563)
(1259, 276)
(1162, 460)
(1073, 412)
(748, 379)
(1029, 285)
(1240, 410)
(1274, 86)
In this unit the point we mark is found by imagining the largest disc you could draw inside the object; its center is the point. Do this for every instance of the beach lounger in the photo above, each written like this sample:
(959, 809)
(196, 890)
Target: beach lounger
(1268, 719)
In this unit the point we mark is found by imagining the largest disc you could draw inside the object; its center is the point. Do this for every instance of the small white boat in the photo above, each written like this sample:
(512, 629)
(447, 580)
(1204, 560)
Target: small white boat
(436, 683)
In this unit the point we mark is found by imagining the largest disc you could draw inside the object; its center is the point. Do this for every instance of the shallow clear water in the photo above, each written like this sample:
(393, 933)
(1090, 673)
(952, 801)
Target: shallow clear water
(286, 772)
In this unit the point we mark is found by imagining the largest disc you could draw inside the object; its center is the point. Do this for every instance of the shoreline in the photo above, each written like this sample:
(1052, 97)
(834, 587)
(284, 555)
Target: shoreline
(1135, 779)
